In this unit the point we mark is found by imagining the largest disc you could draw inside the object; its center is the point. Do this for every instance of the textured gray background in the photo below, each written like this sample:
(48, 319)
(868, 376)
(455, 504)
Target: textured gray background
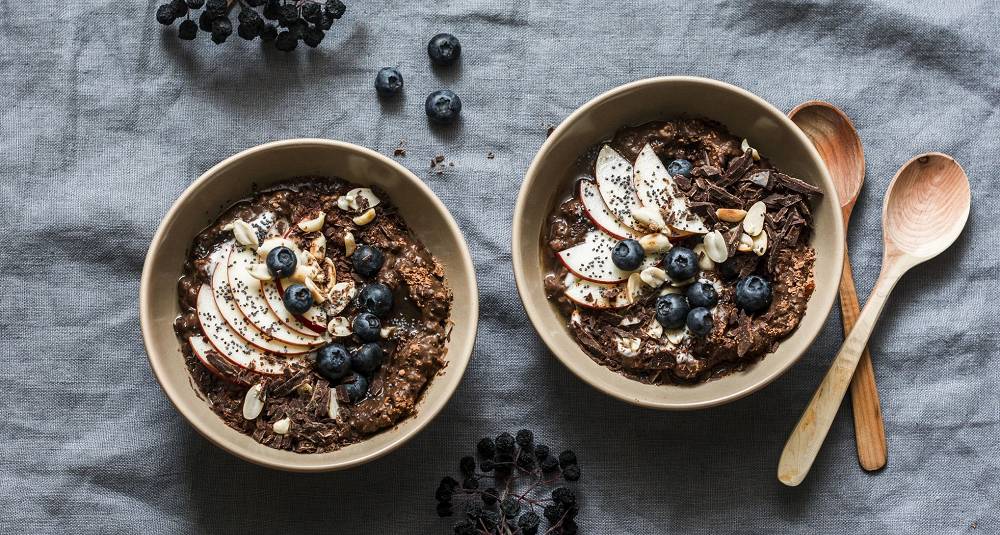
(106, 118)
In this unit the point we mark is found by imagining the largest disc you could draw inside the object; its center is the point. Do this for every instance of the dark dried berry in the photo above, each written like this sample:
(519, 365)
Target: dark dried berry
(526, 460)
(553, 513)
(486, 465)
(465, 527)
(444, 509)
(505, 443)
(312, 12)
(541, 451)
(166, 14)
(188, 30)
(272, 10)
(467, 465)
(510, 507)
(205, 21)
(564, 496)
(571, 472)
(215, 8)
(443, 493)
(470, 483)
(528, 523)
(288, 14)
(486, 448)
(549, 464)
(525, 439)
(449, 482)
(569, 527)
(269, 33)
(312, 36)
(567, 458)
(490, 496)
(195, 4)
(335, 8)
(286, 42)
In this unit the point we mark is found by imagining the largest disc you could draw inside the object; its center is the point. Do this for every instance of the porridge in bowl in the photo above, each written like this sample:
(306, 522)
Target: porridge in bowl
(681, 254)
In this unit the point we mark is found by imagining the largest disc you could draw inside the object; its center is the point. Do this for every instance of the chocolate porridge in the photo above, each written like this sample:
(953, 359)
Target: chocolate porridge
(681, 254)
(311, 315)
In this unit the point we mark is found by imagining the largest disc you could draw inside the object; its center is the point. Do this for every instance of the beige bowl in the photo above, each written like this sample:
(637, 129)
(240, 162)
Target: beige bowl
(262, 166)
(746, 115)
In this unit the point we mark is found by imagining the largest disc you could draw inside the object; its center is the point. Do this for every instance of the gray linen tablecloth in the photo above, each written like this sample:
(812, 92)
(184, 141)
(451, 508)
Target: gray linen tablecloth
(107, 118)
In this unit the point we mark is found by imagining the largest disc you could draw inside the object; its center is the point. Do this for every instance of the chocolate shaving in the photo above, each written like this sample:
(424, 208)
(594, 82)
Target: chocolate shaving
(706, 171)
(737, 168)
(744, 335)
(727, 198)
(795, 184)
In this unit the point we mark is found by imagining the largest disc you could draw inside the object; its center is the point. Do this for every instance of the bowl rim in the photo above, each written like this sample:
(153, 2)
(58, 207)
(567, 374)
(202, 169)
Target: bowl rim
(521, 270)
(215, 434)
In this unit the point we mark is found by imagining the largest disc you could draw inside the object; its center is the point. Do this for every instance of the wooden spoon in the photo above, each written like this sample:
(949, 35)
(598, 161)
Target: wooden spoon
(838, 143)
(924, 212)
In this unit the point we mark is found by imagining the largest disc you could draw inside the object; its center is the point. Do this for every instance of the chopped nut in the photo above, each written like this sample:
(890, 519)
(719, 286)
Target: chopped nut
(633, 288)
(575, 318)
(318, 296)
(334, 408)
(731, 215)
(259, 272)
(760, 244)
(245, 234)
(318, 247)
(753, 223)
(340, 295)
(676, 336)
(628, 322)
(746, 243)
(705, 263)
(649, 217)
(670, 290)
(654, 277)
(753, 152)
(367, 194)
(387, 331)
(715, 247)
(654, 329)
(313, 225)
(655, 243)
(628, 346)
(339, 327)
(343, 203)
(303, 272)
(349, 244)
(281, 426)
(253, 403)
(365, 218)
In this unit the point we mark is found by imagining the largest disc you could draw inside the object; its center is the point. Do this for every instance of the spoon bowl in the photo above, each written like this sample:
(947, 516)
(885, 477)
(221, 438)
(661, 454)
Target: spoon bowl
(837, 142)
(927, 206)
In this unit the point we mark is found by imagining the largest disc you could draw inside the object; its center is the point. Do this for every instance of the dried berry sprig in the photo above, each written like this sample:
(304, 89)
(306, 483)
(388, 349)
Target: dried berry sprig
(291, 21)
(517, 474)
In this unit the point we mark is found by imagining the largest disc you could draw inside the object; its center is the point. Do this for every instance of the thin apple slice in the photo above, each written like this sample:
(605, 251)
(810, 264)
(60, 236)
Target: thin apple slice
(656, 188)
(597, 211)
(593, 294)
(591, 260)
(276, 303)
(614, 180)
(221, 296)
(229, 344)
(314, 318)
(247, 300)
(212, 361)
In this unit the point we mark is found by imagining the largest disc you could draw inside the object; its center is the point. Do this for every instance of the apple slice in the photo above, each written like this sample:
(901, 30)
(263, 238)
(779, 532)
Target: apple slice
(591, 260)
(314, 318)
(223, 299)
(229, 344)
(593, 294)
(276, 303)
(598, 213)
(614, 180)
(247, 300)
(655, 188)
(215, 364)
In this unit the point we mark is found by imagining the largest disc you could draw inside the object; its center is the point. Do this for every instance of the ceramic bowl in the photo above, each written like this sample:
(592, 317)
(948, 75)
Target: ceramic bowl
(745, 115)
(234, 179)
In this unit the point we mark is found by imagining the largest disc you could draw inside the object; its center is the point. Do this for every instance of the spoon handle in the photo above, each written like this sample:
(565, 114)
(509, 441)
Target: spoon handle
(869, 428)
(806, 439)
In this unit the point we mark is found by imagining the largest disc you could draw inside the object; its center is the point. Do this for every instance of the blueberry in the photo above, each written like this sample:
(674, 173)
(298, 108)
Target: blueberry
(357, 389)
(679, 167)
(443, 106)
(672, 310)
(367, 326)
(444, 49)
(702, 294)
(281, 262)
(699, 320)
(388, 81)
(681, 263)
(333, 362)
(753, 293)
(376, 298)
(298, 299)
(367, 260)
(367, 358)
(628, 255)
